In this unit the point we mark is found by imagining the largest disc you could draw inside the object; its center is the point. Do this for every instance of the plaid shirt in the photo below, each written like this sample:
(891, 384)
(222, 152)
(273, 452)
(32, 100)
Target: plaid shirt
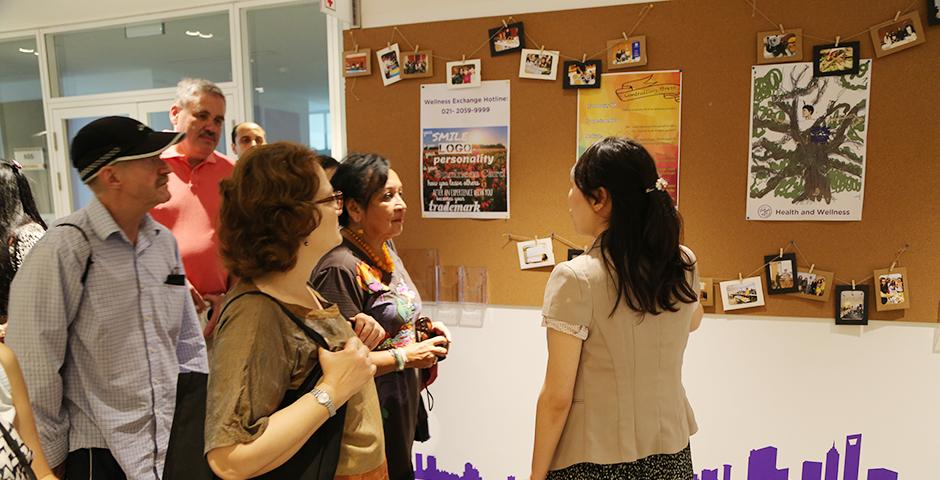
(101, 360)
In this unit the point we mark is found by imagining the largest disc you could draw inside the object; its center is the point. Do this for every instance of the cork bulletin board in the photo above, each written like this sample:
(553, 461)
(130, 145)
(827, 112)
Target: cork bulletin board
(713, 43)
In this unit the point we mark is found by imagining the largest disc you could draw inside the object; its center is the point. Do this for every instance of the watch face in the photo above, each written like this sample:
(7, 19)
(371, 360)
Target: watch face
(322, 396)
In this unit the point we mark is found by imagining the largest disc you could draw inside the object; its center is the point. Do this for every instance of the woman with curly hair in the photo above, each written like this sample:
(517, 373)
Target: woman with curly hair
(276, 335)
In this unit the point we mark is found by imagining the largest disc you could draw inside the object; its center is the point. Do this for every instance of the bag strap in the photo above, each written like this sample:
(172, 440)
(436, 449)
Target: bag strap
(17, 450)
(88, 261)
(309, 332)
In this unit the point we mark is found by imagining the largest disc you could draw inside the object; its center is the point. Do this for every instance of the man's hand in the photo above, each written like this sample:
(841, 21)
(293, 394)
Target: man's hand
(368, 330)
(198, 301)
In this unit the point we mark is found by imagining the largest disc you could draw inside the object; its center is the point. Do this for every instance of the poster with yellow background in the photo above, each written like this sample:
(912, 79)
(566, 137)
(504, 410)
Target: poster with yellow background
(644, 106)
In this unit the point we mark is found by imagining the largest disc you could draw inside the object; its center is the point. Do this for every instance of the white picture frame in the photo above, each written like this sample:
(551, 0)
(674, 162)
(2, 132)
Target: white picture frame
(390, 64)
(538, 64)
(743, 293)
(536, 253)
(463, 74)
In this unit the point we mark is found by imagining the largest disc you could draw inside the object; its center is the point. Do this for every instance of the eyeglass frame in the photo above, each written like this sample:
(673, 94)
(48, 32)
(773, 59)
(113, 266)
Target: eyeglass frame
(336, 198)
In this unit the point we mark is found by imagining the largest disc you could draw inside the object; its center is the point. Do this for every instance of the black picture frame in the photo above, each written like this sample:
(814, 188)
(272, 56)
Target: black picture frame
(566, 78)
(933, 12)
(817, 59)
(853, 314)
(574, 252)
(781, 285)
(494, 39)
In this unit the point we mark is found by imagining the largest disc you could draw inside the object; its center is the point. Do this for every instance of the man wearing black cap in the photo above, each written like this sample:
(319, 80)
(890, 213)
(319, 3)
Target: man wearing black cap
(101, 317)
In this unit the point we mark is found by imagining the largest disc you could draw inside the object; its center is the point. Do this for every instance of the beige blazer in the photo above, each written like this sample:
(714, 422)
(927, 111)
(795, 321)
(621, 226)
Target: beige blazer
(629, 402)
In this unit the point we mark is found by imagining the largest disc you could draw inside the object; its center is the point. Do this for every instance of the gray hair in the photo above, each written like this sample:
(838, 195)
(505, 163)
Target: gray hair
(188, 91)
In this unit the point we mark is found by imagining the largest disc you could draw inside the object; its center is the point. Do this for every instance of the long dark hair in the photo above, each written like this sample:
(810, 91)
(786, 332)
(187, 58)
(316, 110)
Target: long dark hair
(359, 177)
(17, 208)
(641, 243)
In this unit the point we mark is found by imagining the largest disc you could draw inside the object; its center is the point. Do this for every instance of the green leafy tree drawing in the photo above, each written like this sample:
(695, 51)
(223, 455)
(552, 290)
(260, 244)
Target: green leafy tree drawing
(813, 163)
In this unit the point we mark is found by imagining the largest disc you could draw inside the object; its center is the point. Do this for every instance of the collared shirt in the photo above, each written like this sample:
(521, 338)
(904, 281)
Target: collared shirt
(192, 214)
(101, 360)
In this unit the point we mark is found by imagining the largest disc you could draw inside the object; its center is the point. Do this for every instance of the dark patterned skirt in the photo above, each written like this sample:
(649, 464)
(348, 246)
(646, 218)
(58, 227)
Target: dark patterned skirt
(671, 466)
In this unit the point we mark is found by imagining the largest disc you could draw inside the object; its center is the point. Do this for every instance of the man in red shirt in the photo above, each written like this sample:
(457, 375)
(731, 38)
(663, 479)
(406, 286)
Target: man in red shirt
(192, 213)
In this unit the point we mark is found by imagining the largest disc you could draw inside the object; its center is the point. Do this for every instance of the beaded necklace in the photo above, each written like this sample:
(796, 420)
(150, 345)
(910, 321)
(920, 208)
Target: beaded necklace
(384, 262)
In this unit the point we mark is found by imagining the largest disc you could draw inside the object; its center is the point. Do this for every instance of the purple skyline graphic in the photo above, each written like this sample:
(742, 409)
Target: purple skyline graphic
(762, 465)
(431, 472)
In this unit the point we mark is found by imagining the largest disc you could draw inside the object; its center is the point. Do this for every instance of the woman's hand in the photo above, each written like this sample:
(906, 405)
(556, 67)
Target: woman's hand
(424, 354)
(347, 371)
(442, 329)
(368, 330)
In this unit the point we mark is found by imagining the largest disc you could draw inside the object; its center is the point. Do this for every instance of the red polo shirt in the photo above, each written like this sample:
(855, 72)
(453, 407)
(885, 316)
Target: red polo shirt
(192, 214)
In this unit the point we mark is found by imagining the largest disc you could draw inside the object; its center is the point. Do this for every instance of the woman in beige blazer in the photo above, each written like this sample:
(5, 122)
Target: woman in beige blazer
(618, 318)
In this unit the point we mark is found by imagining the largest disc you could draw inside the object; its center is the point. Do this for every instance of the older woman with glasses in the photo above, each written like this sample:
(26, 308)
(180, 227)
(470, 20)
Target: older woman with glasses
(363, 275)
(291, 387)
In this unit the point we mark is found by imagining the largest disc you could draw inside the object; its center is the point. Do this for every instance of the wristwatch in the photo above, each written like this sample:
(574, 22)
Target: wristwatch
(324, 399)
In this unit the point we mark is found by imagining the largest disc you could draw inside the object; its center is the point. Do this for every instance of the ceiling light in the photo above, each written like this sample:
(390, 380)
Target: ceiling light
(27, 50)
(36, 53)
(193, 33)
(144, 30)
(206, 35)
(259, 89)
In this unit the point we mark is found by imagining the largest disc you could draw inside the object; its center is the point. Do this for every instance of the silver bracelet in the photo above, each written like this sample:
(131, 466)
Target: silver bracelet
(399, 355)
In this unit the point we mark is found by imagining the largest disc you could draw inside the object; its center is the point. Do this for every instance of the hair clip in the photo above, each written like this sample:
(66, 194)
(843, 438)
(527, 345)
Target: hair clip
(660, 185)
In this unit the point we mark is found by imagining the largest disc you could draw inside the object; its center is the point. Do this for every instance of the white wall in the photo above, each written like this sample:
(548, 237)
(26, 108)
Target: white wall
(797, 384)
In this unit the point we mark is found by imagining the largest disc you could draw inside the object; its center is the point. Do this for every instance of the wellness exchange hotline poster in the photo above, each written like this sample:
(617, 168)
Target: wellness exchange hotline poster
(644, 106)
(465, 151)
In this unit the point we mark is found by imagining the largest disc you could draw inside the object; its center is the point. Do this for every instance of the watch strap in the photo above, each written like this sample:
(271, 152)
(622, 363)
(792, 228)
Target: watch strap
(324, 399)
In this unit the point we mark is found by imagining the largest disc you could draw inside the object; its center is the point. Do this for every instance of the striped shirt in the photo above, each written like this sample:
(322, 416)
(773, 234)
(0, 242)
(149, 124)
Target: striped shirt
(101, 360)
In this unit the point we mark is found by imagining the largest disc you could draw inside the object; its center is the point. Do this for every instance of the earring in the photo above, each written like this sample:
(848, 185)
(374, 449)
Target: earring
(306, 243)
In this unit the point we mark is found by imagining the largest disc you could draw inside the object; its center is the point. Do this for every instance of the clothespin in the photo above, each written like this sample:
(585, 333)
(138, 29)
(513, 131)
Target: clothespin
(463, 58)
(416, 48)
(781, 29)
(897, 15)
(583, 58)
(893, 264)
(781, 254)
(837, 40)
(853, 284)
(740, 277)
(811, 268)
(388, 44)
(356, 47)
(505, 25)
(541, 49)
(624, 35)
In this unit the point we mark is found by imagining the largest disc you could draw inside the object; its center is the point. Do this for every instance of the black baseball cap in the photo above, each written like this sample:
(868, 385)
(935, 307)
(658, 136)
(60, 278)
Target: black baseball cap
(110, 140)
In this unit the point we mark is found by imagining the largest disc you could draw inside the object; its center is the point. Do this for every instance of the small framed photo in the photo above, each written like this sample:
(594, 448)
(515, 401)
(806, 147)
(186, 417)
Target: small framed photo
(834, 60)
(538, 64)
(814, 284)
(626, 52)
(582, 75)
(417, 64)
(536, 253)
(738, 294)
(891, 289)
(706, 294)
(463, 74)
(851, 305)
(574, 253)
(780, 46)
(781, 273)
(894, 36)
(933, 12)
(357, 63)
(390, 64)
(507, 39)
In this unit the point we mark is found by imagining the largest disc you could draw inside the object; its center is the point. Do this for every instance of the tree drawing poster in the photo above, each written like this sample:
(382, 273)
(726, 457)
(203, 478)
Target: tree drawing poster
(807, 143)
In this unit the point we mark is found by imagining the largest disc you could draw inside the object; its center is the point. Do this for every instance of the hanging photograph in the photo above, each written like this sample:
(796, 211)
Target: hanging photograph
(892, 289)
(626, 52)
(536, 253)
(507, 39)
(417, 64)
(463, 74)
(738, 294)
(781, 273)
(780, 46)
(357, 63)
(813, 284)
(933, 12)
(538, 64)
(894, 36)
(851, 305)
(808, 144)
(582, 74)
(706, 291)
(836, 60)
(389, 64)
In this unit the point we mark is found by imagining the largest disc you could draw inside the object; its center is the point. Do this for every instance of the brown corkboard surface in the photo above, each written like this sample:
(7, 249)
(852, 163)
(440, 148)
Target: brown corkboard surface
(713, 43)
